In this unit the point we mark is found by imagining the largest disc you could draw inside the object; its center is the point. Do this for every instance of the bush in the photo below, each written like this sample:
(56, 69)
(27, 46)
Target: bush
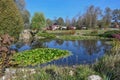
(117, 36)
(109, 34)
(5, 52)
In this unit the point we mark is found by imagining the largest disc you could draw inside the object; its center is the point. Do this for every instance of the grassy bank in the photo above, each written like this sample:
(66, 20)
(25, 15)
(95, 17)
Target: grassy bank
(77, 37)
(73, 34)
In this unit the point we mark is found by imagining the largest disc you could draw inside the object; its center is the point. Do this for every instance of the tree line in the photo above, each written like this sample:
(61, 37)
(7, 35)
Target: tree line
(94, 17)
(14, 17)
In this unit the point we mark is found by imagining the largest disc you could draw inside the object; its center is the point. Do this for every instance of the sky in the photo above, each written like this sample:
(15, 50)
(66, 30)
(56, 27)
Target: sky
(67, 8)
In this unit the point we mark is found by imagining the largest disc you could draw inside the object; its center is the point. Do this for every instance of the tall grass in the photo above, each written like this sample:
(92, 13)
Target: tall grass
(110, 63)
(55, 73)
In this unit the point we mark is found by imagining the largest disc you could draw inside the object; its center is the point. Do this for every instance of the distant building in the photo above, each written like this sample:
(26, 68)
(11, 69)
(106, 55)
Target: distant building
(53, 27)
(71, 28)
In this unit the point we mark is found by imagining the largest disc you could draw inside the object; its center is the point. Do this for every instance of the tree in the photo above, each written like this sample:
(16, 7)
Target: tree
(67, 21)
(49, 22)
(116, 15)
(20, 4)
(38, 21)
(73, 21)
(107, 17)
(91, 16)
(26, 18)
(80, 22)
(11, 21)
(25, 13)
(60, 21)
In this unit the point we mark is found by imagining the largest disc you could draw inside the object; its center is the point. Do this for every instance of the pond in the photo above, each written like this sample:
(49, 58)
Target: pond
(82, 51)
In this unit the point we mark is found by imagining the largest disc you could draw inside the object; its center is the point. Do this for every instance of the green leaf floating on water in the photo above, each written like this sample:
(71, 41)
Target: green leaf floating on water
(38, 56)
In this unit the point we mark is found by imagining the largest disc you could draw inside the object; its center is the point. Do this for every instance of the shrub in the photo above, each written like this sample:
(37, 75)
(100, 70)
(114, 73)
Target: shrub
(5, 52)
(109, 33)
(117, 36)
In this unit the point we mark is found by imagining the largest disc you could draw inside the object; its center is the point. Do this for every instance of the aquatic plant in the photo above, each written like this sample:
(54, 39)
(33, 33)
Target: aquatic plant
(38, 56)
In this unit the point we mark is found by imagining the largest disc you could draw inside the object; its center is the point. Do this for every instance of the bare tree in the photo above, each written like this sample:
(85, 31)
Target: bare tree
(24, 12)
(116, 15)
(73, 22)
(107, 17)
(21, 4)
(67, 21)
(91, 16)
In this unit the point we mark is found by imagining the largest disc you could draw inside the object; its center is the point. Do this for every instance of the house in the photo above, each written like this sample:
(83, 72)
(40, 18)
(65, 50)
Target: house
(71, 28)
(53, 27)
(63, 28)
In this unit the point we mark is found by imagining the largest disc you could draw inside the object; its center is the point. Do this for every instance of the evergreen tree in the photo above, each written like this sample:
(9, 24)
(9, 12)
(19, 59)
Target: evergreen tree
(38, 21)
(11, 21)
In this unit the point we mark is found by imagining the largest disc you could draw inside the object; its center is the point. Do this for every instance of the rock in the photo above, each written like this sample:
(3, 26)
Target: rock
(94, 77)
(10, 74)
(71, 73)
(25, 36)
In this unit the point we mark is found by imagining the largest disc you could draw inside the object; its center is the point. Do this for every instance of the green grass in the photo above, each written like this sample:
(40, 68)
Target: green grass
(73, 35)
(70, 37)
(46, 35)
(38, 56)
(109, 65)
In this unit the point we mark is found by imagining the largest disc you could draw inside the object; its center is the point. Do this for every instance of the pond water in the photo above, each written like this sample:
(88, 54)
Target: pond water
(82, 51)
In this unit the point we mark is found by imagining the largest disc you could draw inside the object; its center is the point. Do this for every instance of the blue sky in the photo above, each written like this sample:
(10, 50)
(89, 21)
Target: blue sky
(64, 8)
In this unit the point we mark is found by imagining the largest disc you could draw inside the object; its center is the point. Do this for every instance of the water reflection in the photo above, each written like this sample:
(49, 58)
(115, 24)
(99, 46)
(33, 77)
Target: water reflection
(83, 51)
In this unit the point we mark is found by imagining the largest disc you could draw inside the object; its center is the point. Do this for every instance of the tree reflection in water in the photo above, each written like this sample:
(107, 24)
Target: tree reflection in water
(83, 51)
